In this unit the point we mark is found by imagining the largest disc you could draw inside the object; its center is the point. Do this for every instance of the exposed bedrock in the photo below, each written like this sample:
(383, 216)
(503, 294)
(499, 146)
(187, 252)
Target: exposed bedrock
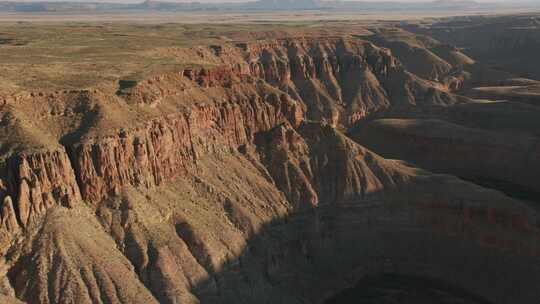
(338, 80)
(30, 184)
(231, 236)
(168, 147)
(507, 43)
(445, 147)
(350, 78)
(395, 220)
(317, 164)
(334, 80)
(72, 260)
(315, 255)
(235, 185)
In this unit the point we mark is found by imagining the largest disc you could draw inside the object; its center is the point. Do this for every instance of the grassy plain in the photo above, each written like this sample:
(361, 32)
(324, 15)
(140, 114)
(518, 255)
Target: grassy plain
(76, 51)
(76, 55)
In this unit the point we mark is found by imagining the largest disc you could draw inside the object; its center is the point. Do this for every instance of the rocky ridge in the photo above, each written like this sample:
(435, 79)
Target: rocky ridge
(319, 78)
(181, 182)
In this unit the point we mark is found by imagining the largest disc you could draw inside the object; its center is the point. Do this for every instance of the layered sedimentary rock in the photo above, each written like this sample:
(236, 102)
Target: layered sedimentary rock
(339, 80)
(418, 53)
(509, 43)
(343, 80)
(316, 164)
(234, 184)
(341, 73)
(33, 183)
(168, 147)
(447, 147)
(392, 219)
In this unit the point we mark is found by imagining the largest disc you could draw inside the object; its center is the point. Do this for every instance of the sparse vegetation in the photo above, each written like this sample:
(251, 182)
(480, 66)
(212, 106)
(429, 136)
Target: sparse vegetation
(275, 162)
(75, 55)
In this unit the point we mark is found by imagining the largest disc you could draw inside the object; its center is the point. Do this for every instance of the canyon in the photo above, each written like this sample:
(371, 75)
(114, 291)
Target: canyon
(282, 168)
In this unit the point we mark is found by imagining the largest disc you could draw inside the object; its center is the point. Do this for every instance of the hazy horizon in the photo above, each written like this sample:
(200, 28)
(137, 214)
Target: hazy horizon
(224, 1)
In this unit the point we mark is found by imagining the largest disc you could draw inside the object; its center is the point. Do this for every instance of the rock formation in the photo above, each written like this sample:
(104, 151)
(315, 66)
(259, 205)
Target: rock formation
(466, 152)
(236, 183)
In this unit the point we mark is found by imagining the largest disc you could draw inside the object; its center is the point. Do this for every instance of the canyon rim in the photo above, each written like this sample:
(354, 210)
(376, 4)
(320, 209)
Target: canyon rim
(229, 155)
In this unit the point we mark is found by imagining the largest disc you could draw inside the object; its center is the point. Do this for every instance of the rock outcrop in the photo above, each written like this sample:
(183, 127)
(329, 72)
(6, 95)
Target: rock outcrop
(445, 147)
(338, 80)
(498, 40)
(32, 183)
(76, 259)
(168, 147)
(234, 183)
(317, 164)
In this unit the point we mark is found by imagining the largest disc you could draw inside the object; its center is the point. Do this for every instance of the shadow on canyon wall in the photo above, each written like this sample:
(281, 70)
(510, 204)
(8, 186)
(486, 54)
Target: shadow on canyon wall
(404, 289)
(512, 190)
(380, 253)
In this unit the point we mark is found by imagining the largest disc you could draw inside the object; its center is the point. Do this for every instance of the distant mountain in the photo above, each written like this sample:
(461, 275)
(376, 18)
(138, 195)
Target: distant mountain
(456, 4)
(151, 5)
(10, 6)
(285, 4)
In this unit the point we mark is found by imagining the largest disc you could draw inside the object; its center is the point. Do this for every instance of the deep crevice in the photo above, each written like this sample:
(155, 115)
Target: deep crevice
(510, 189)
(405, 289)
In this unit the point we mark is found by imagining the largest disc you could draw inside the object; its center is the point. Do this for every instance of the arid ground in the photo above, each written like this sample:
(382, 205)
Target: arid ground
(270, 157)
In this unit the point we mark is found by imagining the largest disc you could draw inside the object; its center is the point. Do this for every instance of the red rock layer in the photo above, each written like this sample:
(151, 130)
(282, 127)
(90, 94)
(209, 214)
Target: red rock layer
(335, 80)
(318, 165)
(169, 146)
(32, 183)
(338, 80)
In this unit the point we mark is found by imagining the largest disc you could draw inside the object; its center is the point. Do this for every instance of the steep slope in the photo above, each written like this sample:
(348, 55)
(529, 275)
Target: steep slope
(66, 265)
(443, 62)
(446, 147)
(339, 80)
(173, 118)
(234, 184)
(324, 75)
(391, 218)
(507, 43)
(316, 164)
(414, 51)
(230, 236)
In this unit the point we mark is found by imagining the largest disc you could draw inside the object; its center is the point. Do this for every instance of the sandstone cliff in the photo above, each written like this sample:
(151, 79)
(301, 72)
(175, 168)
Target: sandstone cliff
(318, 165)
(233, 183)
(33, 183)
(339, 80)
(259, 86)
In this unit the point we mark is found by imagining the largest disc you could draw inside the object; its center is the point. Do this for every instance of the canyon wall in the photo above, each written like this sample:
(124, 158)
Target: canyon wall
(445, 147)
(234, 183)
(169, 146)
(32, 183)
(334, 80)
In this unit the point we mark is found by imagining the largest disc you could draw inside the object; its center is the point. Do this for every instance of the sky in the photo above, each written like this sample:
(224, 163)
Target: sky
(406, 1)
(217, 1)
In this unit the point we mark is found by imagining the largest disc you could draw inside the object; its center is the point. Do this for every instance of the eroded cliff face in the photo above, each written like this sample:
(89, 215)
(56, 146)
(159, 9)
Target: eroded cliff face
(496, 41)
(338, 80)
(169, 147)
(259, 86)
(315, 164)
(33, 183)
(466, 152)
(209, 184)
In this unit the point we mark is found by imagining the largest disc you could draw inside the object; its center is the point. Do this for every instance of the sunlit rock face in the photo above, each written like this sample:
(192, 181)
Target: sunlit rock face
(260, 180)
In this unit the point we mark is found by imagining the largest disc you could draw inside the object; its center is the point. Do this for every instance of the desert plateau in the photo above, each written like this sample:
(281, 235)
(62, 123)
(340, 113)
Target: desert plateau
(272, 152)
